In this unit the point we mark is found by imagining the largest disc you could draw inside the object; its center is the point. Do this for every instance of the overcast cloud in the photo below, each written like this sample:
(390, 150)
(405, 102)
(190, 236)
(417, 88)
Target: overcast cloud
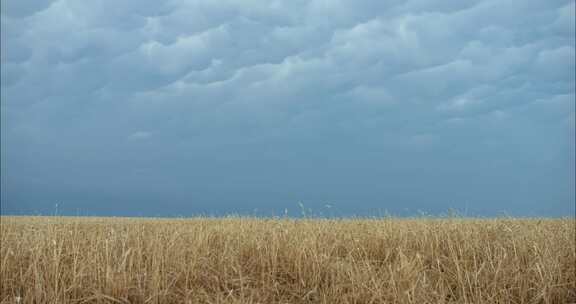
(186, 107)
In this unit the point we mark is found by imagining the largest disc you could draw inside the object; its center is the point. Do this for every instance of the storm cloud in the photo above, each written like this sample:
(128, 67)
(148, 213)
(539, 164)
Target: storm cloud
(186, 107)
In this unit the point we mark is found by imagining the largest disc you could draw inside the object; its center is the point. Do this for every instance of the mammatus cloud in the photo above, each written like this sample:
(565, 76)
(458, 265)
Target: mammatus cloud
(380, 88)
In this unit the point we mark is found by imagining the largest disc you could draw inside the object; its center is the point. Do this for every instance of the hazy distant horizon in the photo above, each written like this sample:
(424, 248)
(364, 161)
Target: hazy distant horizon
(294, 211)
(176, 107)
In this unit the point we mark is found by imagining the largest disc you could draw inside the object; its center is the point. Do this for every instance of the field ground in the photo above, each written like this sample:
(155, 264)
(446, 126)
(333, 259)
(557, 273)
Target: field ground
(248, 260)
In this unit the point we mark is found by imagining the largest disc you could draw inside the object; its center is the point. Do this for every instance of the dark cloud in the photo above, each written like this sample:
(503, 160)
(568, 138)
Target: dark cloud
(234, 105)
(24, 8)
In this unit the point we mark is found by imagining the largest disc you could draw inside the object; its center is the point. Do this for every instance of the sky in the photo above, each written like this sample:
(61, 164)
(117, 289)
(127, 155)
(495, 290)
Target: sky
(349, 108)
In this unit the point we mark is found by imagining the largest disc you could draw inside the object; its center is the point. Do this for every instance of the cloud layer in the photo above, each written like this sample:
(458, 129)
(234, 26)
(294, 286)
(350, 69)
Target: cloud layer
(227, 106)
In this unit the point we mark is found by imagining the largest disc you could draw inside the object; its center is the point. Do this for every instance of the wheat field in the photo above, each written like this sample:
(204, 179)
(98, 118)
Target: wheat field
(282, 260)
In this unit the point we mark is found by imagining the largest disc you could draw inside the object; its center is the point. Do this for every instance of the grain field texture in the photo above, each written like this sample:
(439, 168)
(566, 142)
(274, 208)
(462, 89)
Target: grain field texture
(282, 260)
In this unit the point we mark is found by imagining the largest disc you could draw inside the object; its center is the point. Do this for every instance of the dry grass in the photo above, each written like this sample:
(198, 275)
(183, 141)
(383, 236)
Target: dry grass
(244, 260)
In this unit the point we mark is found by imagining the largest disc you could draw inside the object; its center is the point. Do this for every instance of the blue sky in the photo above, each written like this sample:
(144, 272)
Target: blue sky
(219, 107)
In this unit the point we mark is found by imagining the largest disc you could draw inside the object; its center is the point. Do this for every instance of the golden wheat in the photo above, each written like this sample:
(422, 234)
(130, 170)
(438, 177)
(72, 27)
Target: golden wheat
(248, 260)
